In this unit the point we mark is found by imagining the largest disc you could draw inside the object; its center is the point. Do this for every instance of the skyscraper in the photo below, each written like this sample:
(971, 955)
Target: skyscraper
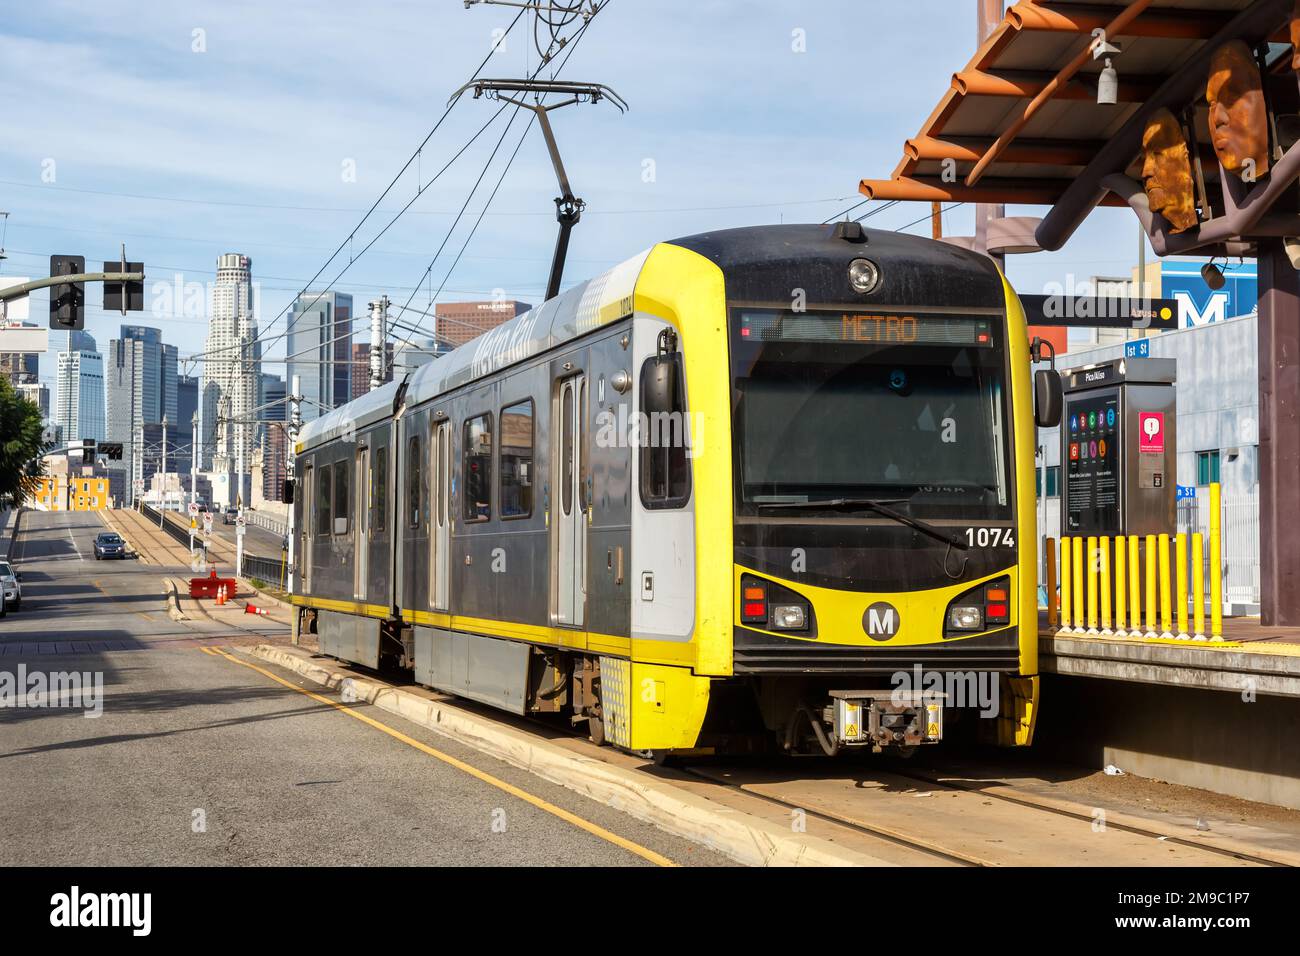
(231, 367)
(459, 322)
(361, 367)
(274, 439)
(21, 368)
(319, 350)
(140, 389)
(79, 390)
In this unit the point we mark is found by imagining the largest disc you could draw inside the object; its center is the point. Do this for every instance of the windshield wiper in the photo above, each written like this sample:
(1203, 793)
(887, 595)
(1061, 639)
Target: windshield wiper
(878, 505)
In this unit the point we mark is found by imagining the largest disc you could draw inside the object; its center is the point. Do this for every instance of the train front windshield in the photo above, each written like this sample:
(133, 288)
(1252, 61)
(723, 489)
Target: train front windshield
(910, 410)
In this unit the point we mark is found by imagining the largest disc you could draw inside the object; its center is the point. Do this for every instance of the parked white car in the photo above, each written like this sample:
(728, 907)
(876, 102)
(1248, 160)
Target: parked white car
(12, 586)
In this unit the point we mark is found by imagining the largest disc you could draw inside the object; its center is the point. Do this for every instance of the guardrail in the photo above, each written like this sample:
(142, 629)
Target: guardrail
(13, 533)
(267, 522)
(270, 570)
(174, 531)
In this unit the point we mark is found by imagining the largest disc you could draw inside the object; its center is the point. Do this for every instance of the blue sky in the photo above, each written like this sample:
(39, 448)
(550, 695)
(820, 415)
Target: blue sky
(248, 140)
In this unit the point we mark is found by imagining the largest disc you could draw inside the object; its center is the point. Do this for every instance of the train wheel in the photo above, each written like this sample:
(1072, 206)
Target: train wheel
(596, 730)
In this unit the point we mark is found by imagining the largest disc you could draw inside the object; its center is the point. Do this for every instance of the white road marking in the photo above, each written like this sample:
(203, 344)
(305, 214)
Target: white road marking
(80, 556)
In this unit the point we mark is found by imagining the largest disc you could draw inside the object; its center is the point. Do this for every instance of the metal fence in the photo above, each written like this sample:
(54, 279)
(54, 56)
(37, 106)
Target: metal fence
(269, 570)
(1240, 522)
(267, 522)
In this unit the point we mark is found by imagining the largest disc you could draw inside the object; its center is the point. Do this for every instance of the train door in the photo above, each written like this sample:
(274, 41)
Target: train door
(361, 527)
(440, 519)
(570, 526)
(306, 549)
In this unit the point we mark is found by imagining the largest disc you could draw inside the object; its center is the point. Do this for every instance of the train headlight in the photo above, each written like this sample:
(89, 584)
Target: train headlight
(789, 617)
(863, 275)
(966, 617)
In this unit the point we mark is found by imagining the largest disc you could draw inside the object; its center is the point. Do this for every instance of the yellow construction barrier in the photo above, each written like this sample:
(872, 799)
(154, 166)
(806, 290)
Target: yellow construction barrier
(1067, 580)
(1134, 587)
(1198, 587)
(1216, 564)
(1104, 544)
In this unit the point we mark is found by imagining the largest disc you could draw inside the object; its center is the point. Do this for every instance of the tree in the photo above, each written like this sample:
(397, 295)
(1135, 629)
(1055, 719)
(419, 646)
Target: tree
(21, 444)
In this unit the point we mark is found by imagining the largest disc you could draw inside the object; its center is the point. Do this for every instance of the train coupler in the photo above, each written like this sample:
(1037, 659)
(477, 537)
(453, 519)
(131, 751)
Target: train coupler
(886, 718)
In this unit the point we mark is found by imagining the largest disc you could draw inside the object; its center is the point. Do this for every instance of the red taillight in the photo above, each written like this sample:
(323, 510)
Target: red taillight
(753, 603)
(996, 611)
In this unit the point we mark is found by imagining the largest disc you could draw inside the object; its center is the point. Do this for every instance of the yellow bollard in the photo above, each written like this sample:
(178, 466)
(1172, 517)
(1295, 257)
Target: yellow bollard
(1067, 609)
(1216, 564)
(1166, 601)
(1092, 585)
(1180, 585)
(1151, 585)
(1198, 586)
(1134, 587)
(1076, 548)
(1049, 567)
(1104, 544)
(1120, 568)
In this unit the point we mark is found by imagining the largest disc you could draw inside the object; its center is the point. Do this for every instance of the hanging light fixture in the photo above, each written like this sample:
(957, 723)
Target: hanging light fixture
(1108, 85)
(1213, 276)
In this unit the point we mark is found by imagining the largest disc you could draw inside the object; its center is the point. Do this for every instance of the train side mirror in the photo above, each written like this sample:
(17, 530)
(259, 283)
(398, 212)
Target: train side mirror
(659, 384)
(1049, 398)
(286, 491)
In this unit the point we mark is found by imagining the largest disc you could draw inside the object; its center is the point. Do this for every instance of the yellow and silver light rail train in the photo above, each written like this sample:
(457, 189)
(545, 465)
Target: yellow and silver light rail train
(743, 487)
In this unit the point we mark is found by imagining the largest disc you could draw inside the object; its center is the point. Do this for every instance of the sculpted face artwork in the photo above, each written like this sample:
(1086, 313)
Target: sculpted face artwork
(1167, 171)
(1238, 117)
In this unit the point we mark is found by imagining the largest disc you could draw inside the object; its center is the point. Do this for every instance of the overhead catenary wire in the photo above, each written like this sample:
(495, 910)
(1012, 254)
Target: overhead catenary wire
(577, 38)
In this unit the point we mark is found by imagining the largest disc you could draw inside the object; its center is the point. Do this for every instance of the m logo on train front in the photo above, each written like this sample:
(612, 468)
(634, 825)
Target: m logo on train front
(880, 621)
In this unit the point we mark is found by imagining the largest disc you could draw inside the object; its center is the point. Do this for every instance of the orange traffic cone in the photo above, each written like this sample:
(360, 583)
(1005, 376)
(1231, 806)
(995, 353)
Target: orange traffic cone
(221, 595)
(253, 609)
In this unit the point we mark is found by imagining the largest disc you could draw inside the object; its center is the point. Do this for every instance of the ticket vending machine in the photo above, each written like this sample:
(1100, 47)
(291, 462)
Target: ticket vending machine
(1119, 448)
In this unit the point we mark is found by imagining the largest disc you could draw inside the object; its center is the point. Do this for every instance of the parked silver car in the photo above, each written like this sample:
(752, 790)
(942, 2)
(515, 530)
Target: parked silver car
(11, 584)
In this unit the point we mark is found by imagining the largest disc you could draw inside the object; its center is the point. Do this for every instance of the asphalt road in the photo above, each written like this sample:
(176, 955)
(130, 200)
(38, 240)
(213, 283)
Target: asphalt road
(196, 759)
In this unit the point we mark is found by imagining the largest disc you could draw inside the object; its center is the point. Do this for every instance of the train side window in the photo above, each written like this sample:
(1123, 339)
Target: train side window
(324, 501)
(379, 490)
(517, 460)
(477, 483)
(665, 466)
(414, 489)
(342, 470)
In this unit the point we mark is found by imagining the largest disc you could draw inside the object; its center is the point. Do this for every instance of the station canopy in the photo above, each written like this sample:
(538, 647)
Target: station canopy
(1021, 122)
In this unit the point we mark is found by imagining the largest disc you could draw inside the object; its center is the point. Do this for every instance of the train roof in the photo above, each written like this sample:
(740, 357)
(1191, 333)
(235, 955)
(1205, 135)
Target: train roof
(914, 270)
(359, 413)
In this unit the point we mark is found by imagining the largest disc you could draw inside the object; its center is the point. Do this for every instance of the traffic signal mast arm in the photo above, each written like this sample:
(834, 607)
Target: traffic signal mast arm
(17, 291)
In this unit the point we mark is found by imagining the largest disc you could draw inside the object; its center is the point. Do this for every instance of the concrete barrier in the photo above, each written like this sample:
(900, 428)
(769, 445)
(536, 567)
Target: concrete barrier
(740, 836)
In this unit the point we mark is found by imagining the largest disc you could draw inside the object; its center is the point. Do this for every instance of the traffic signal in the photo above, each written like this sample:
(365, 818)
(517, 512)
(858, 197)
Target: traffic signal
(112, 450)
(114, 294)
(68, 299)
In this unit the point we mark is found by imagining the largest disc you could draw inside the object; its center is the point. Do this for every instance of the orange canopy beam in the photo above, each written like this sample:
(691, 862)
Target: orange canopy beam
(1027, 85)
(1041, 192)
(1036, 153)
(1113, 29)
(1163, 24)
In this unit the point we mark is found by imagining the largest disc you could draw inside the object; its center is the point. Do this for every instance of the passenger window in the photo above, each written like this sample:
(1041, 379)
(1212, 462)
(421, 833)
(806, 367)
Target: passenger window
(665, 466)
(517, 460)
(478, 469)
(324, 501)
(566, 449)
(341, 500)
(413, 488)
(379, 490)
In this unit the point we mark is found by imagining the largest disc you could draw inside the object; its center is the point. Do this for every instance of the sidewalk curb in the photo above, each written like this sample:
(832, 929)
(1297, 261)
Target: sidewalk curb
(171, 594)
(730, 832)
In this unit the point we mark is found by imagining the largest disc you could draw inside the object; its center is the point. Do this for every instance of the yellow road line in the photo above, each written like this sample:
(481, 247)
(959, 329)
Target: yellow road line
(592, 828)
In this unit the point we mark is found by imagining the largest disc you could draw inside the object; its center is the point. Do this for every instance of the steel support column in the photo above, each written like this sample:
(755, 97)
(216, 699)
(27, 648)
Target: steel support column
(1279, 436)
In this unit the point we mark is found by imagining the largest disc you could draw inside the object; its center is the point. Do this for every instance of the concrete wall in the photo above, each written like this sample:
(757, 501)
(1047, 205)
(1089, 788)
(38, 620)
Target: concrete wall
(1214, 740)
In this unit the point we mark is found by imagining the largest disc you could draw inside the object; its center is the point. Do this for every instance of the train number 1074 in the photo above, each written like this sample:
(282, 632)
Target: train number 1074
(991, 537)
